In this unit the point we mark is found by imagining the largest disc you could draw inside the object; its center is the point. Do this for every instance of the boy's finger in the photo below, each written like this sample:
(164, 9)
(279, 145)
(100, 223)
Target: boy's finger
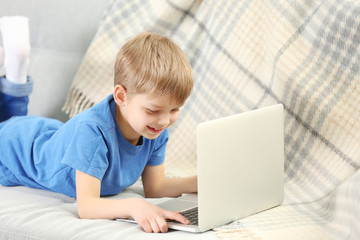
(154, 226)
(162, 224)
(178, 217)
(144, 223)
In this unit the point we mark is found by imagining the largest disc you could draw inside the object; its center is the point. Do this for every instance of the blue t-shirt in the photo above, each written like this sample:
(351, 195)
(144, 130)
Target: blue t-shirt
(45, 153)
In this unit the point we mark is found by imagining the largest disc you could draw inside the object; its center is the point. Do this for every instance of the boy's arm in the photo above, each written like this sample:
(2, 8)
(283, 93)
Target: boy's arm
(157, 185)
(90, 206)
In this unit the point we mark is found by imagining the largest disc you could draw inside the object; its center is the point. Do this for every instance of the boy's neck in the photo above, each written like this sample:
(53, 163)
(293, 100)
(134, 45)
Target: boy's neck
(128, 133)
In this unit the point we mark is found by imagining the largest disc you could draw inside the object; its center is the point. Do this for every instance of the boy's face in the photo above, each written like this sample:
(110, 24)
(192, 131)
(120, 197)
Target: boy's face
(146, 115)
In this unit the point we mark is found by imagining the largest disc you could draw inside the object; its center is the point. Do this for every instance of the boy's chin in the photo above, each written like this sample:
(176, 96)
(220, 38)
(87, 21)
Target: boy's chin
(151, 136)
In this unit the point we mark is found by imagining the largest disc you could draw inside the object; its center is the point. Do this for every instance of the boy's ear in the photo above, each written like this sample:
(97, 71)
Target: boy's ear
(120, 95)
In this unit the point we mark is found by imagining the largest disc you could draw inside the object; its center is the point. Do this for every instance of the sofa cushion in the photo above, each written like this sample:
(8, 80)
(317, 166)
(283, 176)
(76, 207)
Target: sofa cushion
(60, 33)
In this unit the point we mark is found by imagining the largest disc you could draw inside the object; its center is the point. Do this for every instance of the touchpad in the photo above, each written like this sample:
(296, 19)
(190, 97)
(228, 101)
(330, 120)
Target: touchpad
(177, 205)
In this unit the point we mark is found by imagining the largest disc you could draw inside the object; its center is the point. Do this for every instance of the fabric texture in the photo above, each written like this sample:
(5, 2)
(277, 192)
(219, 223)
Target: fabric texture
(14, 89)
(44, 153)
(251, 54)
(14, 98)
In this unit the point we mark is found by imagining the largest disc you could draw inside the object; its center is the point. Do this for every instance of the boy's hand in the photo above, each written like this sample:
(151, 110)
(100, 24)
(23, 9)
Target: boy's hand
(152, 218)
(90, 206)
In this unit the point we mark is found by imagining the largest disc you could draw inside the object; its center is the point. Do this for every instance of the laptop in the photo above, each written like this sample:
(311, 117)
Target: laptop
(240, 161)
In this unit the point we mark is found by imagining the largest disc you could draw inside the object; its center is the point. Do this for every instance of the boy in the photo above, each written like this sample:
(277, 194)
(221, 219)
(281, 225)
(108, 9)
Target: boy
(106, 148)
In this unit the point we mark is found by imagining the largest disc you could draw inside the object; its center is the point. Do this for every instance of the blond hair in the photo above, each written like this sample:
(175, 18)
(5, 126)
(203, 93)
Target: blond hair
(153, 64)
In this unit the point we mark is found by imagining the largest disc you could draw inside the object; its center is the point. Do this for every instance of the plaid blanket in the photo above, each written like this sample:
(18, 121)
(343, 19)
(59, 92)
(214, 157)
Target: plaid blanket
(251, 54)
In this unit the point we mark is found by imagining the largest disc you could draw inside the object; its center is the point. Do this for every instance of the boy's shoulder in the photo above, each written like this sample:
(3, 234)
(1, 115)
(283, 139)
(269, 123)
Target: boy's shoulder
(100, 114)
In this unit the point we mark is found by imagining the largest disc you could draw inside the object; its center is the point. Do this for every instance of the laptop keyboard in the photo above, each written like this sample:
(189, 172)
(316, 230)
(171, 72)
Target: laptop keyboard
(191, 215)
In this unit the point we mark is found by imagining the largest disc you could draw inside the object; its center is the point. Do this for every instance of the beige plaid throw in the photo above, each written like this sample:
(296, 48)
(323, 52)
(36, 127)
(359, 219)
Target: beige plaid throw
(251, 54)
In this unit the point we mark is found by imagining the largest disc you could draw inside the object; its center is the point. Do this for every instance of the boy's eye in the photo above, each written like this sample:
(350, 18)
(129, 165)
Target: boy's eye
(152, 111)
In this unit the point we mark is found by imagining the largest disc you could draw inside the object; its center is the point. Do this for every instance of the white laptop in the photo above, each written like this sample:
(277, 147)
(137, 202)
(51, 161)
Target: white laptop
(240, 161)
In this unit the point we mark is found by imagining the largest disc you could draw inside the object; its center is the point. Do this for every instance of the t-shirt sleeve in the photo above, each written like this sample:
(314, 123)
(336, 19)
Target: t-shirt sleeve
(87, 150)
(158, 155)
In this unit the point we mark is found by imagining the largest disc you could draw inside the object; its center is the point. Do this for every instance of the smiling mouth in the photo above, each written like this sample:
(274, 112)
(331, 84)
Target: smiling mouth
(154, 130)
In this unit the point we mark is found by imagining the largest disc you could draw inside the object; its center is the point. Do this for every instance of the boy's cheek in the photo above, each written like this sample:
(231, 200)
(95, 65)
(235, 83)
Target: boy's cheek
(174, 120)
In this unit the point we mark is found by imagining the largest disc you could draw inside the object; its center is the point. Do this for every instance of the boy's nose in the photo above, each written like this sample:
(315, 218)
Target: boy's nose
(164, 121)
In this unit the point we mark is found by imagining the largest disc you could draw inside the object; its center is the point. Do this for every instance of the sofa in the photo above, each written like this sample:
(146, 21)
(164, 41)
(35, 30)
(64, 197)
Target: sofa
(61, 32)
(245, 55)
